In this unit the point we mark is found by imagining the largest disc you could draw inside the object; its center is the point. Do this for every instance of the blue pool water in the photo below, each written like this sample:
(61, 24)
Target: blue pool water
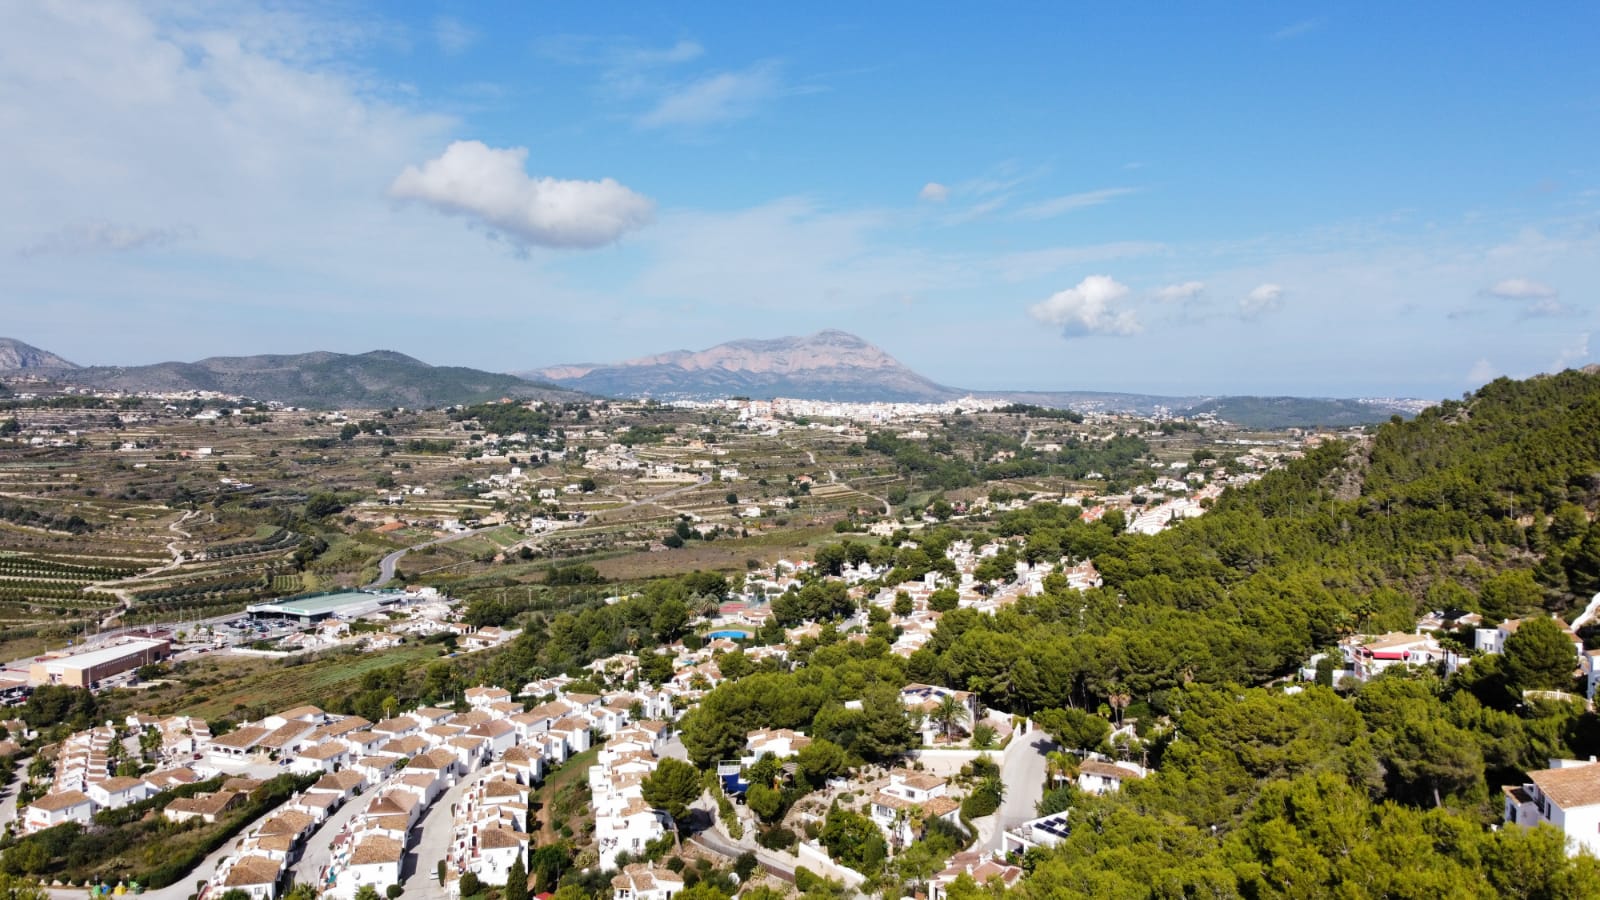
(730, 635)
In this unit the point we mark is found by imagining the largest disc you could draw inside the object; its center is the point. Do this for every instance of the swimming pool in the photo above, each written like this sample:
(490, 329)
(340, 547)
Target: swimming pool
(730, 635)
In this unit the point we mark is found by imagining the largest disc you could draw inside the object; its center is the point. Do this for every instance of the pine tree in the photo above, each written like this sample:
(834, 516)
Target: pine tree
(517, 881)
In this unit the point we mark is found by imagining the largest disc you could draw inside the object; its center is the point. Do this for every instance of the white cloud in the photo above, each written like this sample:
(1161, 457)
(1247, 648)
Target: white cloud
(1522, 289)
(490, 187)
(722, 97)
(934, 192)
(1575, 353)
(1178, 293)
(1049, 209)
(1482, 372)
(101, 237)
(1088, 309)
(452, 35)
(1264, 299)
(1537, 298)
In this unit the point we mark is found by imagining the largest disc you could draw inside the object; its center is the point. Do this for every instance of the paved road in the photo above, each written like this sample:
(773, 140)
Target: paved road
(319, 846)
(654, 499)
(1023, 772)
(387, 565)
(438, 824)
(8, 806)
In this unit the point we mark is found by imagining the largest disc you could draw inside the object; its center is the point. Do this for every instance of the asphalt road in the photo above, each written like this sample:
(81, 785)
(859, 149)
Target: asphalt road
(387, 565)
(654, 499)
(438, 824)
(319, 846)
(8, 806)
(1023, 772)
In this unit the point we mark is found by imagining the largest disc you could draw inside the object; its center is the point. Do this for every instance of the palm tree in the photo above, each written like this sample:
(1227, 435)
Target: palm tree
(949, 713)
(1119, 701)
(1060, 766)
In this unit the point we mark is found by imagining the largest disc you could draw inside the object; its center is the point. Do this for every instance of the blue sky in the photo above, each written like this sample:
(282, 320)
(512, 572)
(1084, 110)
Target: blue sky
(1381, 199)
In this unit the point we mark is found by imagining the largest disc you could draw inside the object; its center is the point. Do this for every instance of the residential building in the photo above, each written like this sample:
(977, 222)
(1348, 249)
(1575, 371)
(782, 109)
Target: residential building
(1565, 796)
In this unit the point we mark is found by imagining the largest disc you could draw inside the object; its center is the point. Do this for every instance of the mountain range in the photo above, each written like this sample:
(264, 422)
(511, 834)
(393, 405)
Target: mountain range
(381, 378)
(828, 365)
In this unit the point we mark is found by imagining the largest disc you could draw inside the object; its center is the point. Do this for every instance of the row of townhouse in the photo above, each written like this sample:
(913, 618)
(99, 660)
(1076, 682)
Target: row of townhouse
(488, 832)
(260, 868)
(84, 784)
(623, 821)
(372, 846)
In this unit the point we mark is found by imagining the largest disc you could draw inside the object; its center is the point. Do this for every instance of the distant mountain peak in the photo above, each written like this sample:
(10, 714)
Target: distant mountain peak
(828, 365)
(321, 378)
(15, 354)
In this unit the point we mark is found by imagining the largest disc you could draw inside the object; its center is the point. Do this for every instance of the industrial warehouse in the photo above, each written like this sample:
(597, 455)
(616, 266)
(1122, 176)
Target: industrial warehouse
(311, 609)
(88, 668)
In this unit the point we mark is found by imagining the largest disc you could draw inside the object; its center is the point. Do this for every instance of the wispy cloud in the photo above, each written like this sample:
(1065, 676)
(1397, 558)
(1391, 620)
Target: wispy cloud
(722, 97)
(1536, 298)
(1522, 289)
(1055, 206)
(452, 35)
(1572, 354)
(104, 237)
(1090, 308)
(490, 187)
(1298, 29)
(612, 52)
(1179, 293)
(1265, 298)
(934, 192)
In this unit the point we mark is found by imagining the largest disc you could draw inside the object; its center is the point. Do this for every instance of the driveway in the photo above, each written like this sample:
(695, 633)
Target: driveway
(1023, 772)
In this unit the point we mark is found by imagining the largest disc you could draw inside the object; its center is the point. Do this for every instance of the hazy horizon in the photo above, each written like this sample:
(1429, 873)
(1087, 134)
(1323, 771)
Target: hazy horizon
(1378, 201)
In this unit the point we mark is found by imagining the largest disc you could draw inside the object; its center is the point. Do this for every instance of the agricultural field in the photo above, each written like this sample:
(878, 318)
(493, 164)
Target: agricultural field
(142, 512)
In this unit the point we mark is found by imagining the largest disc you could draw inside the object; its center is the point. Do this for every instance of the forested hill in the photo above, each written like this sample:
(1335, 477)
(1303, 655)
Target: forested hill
(1382, 789)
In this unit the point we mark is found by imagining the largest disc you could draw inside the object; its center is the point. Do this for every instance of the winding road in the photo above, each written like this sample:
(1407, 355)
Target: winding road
(386, 566)
(654, 499)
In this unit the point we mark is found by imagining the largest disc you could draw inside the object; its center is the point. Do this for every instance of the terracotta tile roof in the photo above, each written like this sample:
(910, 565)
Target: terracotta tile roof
(1571, 787)
(203, 804)
(436, 760)
(285, 736)
(377, 849)
(252, 870)
(119, 784)
(324, 751)
(922, 781)
(411, 745)
(63, 800)
(496, 836)
(242, 739)
(288, 821)
(343, 782)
